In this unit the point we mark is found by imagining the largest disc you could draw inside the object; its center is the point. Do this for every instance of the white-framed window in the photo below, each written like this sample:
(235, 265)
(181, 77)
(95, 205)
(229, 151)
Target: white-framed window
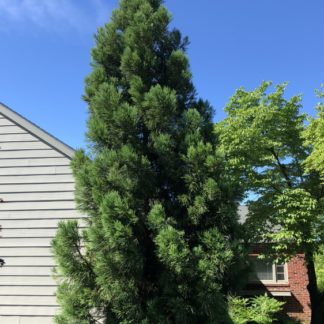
(266, 271)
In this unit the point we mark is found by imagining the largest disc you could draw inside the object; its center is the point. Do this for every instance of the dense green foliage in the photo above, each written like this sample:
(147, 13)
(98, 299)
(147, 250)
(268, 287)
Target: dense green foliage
(319, 266)
(262, 140)
(161, 245)
(314, 136)
(260, 309)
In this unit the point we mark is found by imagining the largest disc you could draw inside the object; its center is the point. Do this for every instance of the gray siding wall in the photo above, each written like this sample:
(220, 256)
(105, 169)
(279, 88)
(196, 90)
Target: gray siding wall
(36, 186)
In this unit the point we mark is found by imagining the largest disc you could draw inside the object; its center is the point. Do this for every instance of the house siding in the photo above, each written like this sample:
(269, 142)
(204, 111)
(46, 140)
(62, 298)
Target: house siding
(36, 191)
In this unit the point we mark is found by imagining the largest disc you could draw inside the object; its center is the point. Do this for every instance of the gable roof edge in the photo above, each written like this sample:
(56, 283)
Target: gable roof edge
(37, 131)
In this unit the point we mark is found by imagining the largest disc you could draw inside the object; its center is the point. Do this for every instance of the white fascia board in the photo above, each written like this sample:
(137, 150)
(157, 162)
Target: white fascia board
(264, 291)
(38, 132)
(280, 293)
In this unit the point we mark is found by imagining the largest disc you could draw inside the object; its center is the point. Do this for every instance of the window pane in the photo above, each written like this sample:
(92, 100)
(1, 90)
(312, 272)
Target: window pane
(280, 276)
(263, 270)
(280, 272)
(280, 268)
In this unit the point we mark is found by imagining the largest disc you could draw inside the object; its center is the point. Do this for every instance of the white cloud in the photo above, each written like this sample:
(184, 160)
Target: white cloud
(54, 14)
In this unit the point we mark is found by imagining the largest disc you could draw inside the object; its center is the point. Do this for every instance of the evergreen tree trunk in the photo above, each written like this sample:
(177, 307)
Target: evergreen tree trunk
(162, 213)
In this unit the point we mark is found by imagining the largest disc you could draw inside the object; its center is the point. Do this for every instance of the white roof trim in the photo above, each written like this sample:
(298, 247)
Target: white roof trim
(36, 131)
(280, 293)
(260, 291)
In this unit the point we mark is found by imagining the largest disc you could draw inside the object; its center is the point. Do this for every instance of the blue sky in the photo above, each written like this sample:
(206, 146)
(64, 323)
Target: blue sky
(45, 52)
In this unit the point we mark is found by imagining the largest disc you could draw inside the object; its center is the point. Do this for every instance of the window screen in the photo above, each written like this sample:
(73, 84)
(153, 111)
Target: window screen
(263, 270)
(280, 272)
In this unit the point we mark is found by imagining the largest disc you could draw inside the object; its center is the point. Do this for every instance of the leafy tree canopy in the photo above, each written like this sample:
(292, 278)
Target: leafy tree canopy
(262, 140)
(314, 136)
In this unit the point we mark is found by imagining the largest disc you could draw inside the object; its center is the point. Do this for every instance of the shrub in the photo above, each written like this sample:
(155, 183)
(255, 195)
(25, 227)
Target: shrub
(319, 267)
(260, 309)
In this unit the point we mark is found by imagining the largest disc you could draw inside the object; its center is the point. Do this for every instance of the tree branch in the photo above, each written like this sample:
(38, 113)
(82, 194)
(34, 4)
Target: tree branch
(282, 167)
(85, 261)
(275, 188)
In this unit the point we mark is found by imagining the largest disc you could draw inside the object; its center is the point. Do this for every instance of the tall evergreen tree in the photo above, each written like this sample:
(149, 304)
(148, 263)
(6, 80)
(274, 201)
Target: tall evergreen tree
(161, 211)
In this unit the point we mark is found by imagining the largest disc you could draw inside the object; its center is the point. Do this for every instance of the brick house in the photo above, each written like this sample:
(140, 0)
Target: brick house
(286, 282)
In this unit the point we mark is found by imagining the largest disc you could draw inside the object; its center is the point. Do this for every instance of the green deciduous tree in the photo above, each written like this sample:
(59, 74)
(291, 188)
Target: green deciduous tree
(160, 245)
(262, 140)
(319, 266)
(314, 136)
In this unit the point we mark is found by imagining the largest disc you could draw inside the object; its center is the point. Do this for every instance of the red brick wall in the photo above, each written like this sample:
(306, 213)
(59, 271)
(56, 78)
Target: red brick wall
(298, 305)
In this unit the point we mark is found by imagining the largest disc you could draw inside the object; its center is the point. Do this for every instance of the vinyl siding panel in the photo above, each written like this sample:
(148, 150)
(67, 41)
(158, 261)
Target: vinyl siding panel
(43, 178)
(27, 290)
(34, 170)
(26, 271)
(37, 205)
(11, 129)
(5, 122)
(26, 281)
(45, 161)
(19, 138)
(28, 300)
(39, 214)
(24, 242)
(40, 187)
(26, 310)
(37, 196)
(32, 145)
(37, 251)
(37, 190)
(31, 232)
(31, 224)
(22, 154)
(25, 320)
(28, 261)
(36, 233)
